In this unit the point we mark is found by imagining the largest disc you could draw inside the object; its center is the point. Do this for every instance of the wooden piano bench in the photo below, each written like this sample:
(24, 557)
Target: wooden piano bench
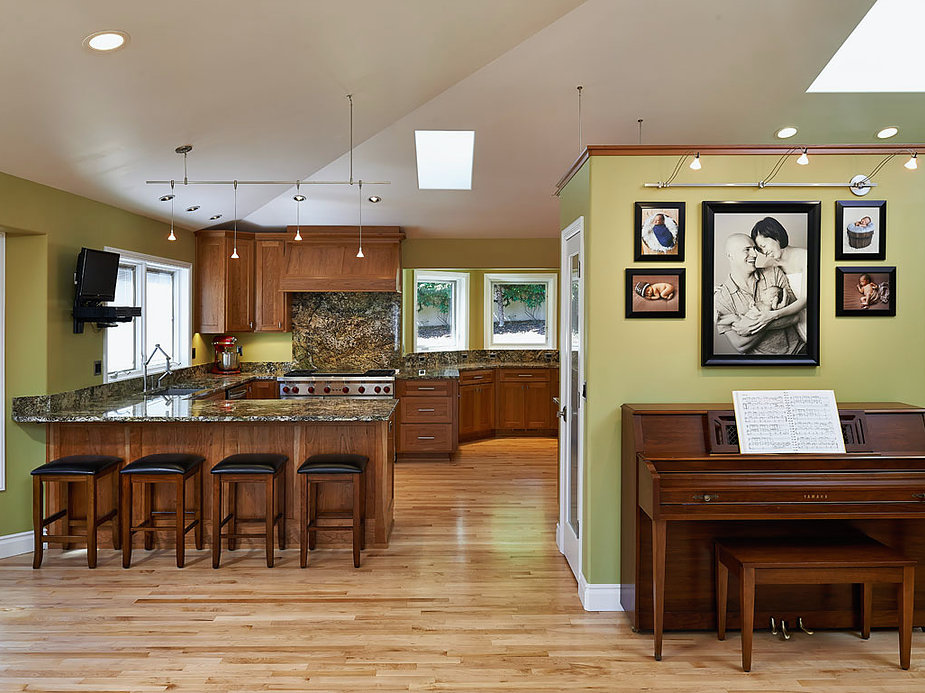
(758, 562)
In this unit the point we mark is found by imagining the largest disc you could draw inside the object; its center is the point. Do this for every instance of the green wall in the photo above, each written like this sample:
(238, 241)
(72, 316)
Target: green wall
(862, 358)
(45, 230)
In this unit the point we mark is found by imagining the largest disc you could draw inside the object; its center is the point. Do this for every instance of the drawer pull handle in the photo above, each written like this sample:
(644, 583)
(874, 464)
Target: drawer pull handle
(426, 388)
(920, 496)
(427, 437)
(427, 410)
(477, 377)
(706, 497)
(525, 375)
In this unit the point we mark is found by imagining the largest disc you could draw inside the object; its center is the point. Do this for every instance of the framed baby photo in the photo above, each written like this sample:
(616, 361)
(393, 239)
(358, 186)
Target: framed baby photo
(865, 291)
(860, 230)
(658, 232)
(655, 293)
(760, 284)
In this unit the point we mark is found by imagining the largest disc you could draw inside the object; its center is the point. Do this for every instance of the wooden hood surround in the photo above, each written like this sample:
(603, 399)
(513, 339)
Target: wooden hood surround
(325, 260)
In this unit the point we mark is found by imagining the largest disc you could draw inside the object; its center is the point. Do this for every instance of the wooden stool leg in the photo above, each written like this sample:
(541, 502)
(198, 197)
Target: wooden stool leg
(747, 606)
(232, 515)
(363, 510)
(722, 597)
(200, 503)
(117, 507)
(269, 519)
(64, 490)
(126, 512)
(281, 484)
(312, 513)
(303, 521)
(867, 599)
(357, 518)
(217, 517)
(181, 521)
(906, 597)
(38, 517)
(147, 505)
(91, 521)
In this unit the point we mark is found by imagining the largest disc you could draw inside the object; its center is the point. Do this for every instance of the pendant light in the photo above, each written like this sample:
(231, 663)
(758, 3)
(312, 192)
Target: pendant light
(360, 251)
(172, 236)
(299, 198)
(234, 252)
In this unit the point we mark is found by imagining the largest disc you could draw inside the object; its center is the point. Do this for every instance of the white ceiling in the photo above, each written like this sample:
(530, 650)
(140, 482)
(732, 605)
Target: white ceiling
(258, 88)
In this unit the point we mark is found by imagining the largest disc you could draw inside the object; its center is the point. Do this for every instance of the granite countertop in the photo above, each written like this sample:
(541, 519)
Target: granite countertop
(453, 371)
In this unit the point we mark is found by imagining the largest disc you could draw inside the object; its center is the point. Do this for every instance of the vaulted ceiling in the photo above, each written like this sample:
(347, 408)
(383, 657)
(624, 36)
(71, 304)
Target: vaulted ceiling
(258, 89)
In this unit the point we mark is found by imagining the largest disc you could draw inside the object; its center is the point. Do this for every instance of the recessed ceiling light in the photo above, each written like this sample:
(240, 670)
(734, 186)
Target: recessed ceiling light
(165, 198)
(786, 132)
(375, 198)
(192, 208)
(106, 41)
(887, 132)
(444, 159)
(215, 216)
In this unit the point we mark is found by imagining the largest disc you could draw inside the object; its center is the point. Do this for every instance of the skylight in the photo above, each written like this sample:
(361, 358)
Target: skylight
(881, 54)
(444, 159)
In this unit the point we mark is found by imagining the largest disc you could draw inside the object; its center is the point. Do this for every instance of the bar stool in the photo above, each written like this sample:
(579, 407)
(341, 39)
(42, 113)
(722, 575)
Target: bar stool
(248, 468)
(88, 469)
(163, 468)
(337, 467)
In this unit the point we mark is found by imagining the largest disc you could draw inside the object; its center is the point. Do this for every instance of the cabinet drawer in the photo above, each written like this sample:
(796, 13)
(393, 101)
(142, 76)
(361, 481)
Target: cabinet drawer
(423, 388)
(476, 377)
(523, 374)
(426, 410)
(426, 437)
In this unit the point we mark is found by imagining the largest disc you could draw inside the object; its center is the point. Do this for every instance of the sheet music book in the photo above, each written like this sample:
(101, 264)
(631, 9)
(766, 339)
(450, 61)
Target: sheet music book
(787, 421)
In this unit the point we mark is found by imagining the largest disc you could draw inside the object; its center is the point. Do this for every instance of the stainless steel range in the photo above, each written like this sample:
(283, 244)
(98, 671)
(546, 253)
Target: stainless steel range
(311, 383)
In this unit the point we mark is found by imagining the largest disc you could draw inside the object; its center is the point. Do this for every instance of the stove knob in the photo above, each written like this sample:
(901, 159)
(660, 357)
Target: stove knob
(295, 389)
(378, 389)
(362, 389)
(311, 389)
(285, 388)
(346, 389)
(387, 388)
(327, 389)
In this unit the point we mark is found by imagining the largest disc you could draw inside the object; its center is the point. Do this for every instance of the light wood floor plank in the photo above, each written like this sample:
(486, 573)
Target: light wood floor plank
(472, 595)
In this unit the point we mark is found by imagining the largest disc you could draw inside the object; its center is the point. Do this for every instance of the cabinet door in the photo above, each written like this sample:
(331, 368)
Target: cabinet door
(210, 283)
(537, 398)
(485, 410)
(239, 288)
(469, 400)
(511, 405)
(262, 389)
(272, 304)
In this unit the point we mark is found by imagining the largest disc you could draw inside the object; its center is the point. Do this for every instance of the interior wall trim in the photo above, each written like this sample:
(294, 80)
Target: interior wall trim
(599, 597)
(15, 544)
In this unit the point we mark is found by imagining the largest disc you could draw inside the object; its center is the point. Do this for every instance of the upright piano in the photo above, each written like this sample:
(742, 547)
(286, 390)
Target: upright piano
(684, 485)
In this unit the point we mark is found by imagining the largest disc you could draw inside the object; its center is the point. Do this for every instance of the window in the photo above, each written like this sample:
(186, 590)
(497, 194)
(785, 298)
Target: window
(441, 304)
(520, 311)
(3, 358)
(161, 288)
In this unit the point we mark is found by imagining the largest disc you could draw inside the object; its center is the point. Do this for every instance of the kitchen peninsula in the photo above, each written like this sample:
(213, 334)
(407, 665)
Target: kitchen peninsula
(136, 425)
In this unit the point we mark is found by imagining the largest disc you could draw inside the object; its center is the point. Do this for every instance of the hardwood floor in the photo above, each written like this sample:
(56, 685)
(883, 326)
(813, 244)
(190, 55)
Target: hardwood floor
(472, 595)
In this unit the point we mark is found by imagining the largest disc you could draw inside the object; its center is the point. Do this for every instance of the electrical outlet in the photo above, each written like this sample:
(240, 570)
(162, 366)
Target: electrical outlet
(421, 371)
(97, 368)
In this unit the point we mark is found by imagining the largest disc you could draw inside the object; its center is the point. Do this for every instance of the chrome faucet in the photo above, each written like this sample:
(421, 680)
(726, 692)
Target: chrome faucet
(167, 371)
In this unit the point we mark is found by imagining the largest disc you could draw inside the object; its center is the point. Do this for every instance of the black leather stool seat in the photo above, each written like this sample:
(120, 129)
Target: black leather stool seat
(164, 463)
(334, 463)
(77, 465)
(250, 463)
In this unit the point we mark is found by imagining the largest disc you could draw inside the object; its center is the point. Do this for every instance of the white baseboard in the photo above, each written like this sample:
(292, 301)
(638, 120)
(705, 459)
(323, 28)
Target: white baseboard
(15, 544)
(599, 597)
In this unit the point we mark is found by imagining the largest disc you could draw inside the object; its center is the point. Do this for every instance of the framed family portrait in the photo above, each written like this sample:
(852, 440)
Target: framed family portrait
(760, 284)
(655, 293)
(860, 230)
(865, 291)
(658, 232)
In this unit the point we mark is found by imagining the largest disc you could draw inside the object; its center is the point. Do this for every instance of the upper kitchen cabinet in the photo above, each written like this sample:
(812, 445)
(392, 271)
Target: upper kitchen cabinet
(224, 287)
(325, 260)
(273, 306)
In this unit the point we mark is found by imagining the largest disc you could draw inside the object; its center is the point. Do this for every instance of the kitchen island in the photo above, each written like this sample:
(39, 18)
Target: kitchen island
(136, 425)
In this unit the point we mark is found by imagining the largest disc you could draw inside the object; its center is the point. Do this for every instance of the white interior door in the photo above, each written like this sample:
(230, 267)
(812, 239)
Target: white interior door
(571, 396)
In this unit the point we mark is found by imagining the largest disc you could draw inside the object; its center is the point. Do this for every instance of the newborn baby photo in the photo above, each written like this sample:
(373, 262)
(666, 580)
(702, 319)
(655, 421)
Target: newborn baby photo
(658, 293)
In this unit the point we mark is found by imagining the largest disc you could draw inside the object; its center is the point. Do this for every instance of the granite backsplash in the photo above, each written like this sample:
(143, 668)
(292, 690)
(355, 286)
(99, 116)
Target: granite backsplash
(431, 360)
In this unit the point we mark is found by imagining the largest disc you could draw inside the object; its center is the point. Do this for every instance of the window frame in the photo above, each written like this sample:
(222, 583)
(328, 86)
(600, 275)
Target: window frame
(551, 280)
(460, 308)
(180, 350)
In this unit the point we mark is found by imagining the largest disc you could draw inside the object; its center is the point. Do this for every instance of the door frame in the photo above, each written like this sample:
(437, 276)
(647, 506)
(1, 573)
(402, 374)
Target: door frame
(571, 548)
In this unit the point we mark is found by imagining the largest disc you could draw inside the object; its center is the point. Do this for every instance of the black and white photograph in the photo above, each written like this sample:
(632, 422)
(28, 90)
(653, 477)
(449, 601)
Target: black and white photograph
(863, 291)
(655, 293)
(860, 230)
(658, 232)
(760, 284)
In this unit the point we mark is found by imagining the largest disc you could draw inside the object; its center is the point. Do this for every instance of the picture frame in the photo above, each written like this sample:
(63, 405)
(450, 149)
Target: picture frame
(875, 296)
(656, 292)
(860, 230)
(658, 232)
(760, 283)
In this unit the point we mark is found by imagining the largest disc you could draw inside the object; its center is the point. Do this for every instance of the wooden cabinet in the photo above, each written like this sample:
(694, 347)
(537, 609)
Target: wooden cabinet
(224, 287)
(263, 389)
(525, 399)
(476, 404)
(273, 307)
(427, 418)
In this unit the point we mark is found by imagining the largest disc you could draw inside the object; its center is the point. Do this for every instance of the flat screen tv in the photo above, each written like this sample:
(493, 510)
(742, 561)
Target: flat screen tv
(97, 271)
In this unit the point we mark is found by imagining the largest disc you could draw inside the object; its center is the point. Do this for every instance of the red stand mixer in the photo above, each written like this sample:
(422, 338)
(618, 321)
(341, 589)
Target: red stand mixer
(227, 356)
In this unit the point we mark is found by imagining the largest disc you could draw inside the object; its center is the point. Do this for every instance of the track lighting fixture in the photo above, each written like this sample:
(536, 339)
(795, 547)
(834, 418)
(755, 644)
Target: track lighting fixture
(802, 160)
(172, 236)
(299, 199)
(912, 164)
(360, 251)
(234, 252)
(695, 164)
